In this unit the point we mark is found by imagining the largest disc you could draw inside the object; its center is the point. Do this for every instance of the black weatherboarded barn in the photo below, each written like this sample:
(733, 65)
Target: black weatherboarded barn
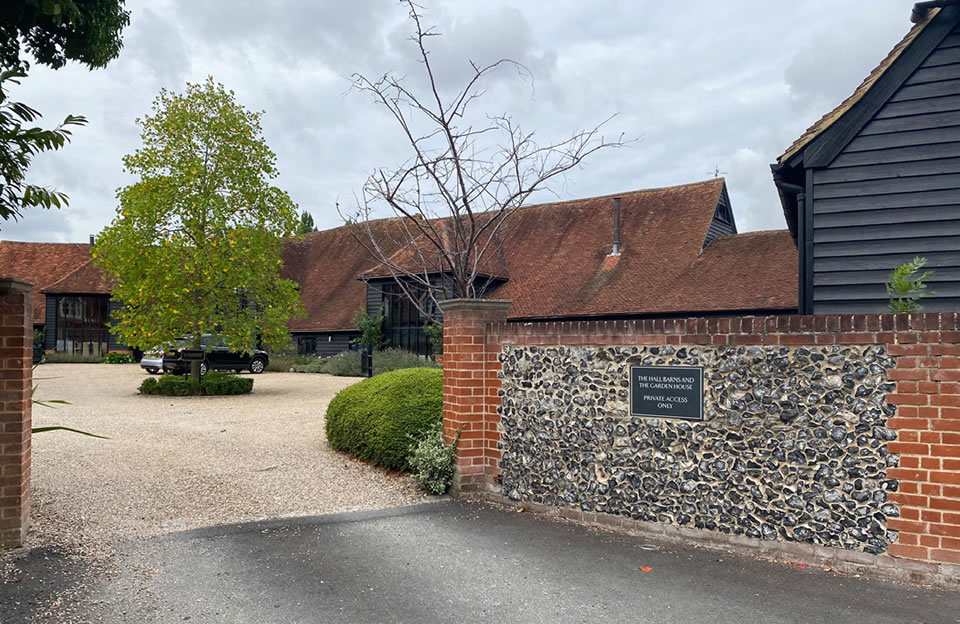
(876, 181)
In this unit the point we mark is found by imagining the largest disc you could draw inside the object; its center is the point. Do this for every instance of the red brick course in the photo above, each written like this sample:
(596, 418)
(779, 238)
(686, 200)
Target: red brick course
(926, 348)
(16, 337)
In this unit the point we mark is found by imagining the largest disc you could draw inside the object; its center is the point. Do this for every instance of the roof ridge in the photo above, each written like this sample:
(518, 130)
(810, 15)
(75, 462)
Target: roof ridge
(40, 243)
(632, 193)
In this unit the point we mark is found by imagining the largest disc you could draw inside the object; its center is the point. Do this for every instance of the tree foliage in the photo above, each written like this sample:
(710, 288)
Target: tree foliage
(371, 329)
(196, 244)
(57, 31)
(305, 225)
(466, 175)
(52, 32)
(905, 288)
(19, 143)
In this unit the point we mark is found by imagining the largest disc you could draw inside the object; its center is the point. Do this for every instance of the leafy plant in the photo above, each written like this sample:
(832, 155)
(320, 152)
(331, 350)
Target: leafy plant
(375, 419)
(50, 403)
(210, 384)
(70, 358)
(433, 461)
(905, 288)
(316, 366)
(119, 358)
(346, 364)
(434, 333)
(371, 329)
(196, 243)
(19, 145)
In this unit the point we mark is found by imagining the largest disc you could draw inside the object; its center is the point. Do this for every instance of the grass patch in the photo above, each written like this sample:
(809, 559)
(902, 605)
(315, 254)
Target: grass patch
(211, 384)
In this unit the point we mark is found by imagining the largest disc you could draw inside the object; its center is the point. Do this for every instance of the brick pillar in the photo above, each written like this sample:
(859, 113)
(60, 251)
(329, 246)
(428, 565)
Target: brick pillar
(470, 386)
(16, 378)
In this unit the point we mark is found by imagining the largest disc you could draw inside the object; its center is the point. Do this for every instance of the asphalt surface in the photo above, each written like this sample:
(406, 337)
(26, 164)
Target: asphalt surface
(453, 562)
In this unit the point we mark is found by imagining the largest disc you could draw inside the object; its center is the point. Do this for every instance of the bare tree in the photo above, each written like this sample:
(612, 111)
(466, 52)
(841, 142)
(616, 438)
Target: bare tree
(456, 194)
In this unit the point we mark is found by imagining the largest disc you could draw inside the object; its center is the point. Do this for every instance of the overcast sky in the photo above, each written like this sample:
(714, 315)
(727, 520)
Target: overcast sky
(701, 84)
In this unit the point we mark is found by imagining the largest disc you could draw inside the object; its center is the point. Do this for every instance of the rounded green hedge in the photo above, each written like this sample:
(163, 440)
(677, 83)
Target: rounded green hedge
(211, 384)
(376, 418)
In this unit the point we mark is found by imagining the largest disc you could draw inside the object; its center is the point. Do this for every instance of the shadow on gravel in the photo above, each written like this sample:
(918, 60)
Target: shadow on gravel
(33, 581)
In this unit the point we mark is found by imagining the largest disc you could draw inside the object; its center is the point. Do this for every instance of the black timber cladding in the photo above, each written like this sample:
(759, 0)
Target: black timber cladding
(723, 223)
(892, 193)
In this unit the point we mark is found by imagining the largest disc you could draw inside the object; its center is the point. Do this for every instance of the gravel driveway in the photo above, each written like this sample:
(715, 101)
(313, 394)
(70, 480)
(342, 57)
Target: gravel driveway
(175, 463)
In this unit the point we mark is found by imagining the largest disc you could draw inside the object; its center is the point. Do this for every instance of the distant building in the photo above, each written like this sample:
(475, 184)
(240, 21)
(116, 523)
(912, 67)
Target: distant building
(680, 255)
(876, 181)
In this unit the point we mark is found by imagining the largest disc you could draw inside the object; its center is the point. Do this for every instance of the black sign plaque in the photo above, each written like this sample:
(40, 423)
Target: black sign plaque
(191, 355)
(667, 392)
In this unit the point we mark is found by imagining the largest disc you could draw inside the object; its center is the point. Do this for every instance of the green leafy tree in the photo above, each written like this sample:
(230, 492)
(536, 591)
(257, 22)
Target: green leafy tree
(196, 244)
(371, 329)
(52, 32)
(905, 288)
(20, 143)
(306, 224)
(57, 31)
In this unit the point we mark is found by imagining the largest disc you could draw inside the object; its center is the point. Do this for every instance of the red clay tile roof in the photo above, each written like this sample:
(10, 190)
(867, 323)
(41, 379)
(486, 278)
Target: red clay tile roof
(558, 256)
(750, 271)
(41, 263)
(328, 265)
(85, 279)
(420, 255)
(827, 120)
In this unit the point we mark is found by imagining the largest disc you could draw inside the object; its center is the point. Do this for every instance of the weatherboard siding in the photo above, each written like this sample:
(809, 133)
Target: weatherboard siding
(893, 193)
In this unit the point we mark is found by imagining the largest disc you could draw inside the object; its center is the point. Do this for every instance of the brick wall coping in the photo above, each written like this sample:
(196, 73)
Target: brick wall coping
(8, 284)
(450, 305)
(856, 328)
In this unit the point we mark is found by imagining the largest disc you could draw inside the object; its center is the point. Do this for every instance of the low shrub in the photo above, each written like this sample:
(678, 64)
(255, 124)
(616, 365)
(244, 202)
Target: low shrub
(397, 359)
(119, 358)
(212, 384)
(433, 461)
(346, 364)
(70, 358)
(376, 418)
(281, 363)
(316, 366)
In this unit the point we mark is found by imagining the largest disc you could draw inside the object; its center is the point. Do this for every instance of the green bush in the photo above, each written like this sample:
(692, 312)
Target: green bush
(316, 366)
(346, 364)
(211, 384)
(119, 358)
(70, 358)
(376, 418)
(433, 460)
(281, 363)
(397, 359)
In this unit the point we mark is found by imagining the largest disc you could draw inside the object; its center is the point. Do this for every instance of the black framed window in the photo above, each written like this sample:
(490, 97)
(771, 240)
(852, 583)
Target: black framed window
(403, 323)
(82, 324)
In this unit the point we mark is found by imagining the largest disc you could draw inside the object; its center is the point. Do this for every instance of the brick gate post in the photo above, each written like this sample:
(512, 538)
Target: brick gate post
(469, 379)
(16, 378)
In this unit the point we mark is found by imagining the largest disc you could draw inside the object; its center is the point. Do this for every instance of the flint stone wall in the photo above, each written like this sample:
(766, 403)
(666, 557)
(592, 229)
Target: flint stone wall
(793, 445)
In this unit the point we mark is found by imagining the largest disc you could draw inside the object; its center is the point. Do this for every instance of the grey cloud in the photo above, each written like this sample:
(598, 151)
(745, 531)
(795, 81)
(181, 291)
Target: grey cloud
(830, 66)
(700, 85)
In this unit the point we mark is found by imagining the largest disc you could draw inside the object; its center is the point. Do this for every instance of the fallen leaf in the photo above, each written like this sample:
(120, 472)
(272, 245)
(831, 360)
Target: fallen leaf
(645, 569)
(799, 565)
